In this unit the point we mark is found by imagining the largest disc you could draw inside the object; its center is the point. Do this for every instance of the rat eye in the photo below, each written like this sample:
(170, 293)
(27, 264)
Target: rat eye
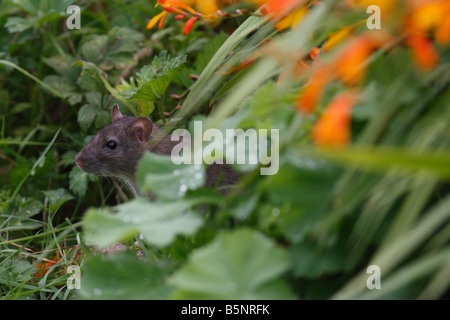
(111, 144)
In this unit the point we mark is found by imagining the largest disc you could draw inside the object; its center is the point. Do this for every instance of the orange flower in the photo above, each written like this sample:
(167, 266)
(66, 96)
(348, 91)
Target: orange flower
(350, 64)
(337, 37)
(176, 4)
(333, 127)
(206, 7)
(275, 9)
(172, 6)
(160, 17)
(442, 32)
(314, 53)
(311, 93)
(43, 267)
(430, 16)
(292, 20)
(423, 52)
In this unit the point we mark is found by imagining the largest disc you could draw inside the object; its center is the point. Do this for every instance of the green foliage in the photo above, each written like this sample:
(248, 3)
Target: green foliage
(158, 223)
(308, 232)
(152, 82)
(240, 265)
(167, 180)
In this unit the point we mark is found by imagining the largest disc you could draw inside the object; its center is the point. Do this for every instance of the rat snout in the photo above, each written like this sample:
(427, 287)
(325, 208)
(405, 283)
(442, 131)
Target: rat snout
(79, 161)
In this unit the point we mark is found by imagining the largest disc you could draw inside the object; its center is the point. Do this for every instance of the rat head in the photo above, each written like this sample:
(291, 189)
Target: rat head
(116, 149)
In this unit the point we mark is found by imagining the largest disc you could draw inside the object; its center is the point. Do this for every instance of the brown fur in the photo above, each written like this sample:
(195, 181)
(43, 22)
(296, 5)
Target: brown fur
(135, 136)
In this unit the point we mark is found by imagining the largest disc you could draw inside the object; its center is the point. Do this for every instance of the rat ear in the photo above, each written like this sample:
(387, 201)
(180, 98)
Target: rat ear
(142, 128)
(115, 113)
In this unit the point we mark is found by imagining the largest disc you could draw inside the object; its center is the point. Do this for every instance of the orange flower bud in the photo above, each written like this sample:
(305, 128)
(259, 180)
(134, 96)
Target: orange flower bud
(314, 53)
(279, 8)
(189, 24)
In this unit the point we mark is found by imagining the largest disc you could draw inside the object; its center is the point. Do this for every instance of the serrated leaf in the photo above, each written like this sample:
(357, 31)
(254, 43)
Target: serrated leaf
(159, 223)
(153, 79)
(78, 181)
(87, 114)
(242, 264)
(90, 77)
(56, 198)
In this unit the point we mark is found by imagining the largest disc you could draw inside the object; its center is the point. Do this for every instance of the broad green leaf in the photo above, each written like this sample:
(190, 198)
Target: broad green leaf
(157, 173)
(123, 276)
(90, 77)
(301, 190)
(116, 49)
(18, 24)
(95, 49)
(60, 84)
(159, 223)
(87, 114)
(242, 264)
(312, 261)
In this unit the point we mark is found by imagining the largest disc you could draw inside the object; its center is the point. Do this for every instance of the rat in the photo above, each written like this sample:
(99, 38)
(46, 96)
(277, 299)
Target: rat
(115, 151)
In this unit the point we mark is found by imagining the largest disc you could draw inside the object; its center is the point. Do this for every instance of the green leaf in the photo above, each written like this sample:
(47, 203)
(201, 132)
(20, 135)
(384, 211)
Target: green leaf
(238, 265)
(95, 49)
(24, 209)
(87, 114)
(159, 223)
(114, 50)
(158, 173)
(90, 77)
(26, 5)
(380, 159)
(301, 190)
(61, 85)
(123, 276)
(312, 261)
(56, 198)
(18, 24)
(78, 181)
(153, 79)
(209, 50)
